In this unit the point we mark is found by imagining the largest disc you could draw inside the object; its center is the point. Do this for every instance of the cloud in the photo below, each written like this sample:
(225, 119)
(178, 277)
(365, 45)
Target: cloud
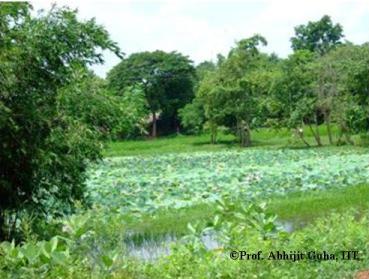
(203, 28)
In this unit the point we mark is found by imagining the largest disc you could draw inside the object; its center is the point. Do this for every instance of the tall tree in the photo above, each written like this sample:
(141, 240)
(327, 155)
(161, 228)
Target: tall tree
(345, 75)
(230, 95)
(193, 114)
(317, 36)
(166, 78)
(294, 94)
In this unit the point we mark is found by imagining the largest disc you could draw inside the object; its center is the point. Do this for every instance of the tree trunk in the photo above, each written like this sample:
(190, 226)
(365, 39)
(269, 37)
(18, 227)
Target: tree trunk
(327, 119)
(213, 131)
(2, 229)
(153, 133)
(300, 134)
(339, 140)
(247, 136)
(318, 140)
(348, 139)
(244, 133)
(316, 135)
(345, 132)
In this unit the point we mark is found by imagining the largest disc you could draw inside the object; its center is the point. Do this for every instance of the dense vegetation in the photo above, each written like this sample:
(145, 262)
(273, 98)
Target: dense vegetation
(324, 81)
(222, 196)
(68, 212)
(44, 149)
(165, 78)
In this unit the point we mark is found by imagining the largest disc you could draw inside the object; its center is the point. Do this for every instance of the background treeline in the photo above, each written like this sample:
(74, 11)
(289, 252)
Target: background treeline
(325, 81)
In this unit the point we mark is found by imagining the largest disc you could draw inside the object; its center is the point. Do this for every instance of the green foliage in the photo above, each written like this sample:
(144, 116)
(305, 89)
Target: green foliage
(43, 152)
(165, 78)
(109, 115)
(231, 95)
(35, 259)
(134, 113)
(89, 247)
(54, 114)
(311, 90)
(192, 116)
(205, 68)
(86, 248)
(193, 260)
(91, 244)
(293, 90)
(323, 81)
(319, 36)
(346, 77)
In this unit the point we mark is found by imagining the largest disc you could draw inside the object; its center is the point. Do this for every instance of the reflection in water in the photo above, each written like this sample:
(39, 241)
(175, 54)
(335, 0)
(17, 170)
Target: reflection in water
(150, 249)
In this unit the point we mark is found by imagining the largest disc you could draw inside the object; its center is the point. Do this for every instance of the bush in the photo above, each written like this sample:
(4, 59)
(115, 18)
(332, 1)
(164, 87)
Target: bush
(332, 234)
(193, 117)
(92, 246)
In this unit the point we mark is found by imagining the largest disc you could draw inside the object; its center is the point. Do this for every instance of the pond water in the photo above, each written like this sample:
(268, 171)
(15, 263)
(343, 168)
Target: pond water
(150, 249)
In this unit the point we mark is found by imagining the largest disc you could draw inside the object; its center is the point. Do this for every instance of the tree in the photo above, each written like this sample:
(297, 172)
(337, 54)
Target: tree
(325, 86)
(89, 100)
(43, 152)
(230, 95)
(294, 95)
(319, 36)
(208, 96)
(192, 115)
(166, 78)
(204, 68)
(343, 76)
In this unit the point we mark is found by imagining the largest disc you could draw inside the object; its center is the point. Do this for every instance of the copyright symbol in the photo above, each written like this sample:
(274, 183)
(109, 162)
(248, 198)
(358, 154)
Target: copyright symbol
(234, 255)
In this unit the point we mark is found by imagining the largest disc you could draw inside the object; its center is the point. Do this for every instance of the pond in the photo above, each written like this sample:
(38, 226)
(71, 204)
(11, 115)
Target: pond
(150, 249)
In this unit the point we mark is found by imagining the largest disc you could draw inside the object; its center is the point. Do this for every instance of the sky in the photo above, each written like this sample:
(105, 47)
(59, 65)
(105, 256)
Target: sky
(201, 29)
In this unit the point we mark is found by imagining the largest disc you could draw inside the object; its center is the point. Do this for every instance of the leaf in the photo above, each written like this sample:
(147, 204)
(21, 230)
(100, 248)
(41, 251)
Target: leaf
(31, 252)
(60, 257)
(191, 228)
(108, 262)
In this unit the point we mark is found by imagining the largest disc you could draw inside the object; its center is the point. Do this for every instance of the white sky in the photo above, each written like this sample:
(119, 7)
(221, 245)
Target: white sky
(203, 28)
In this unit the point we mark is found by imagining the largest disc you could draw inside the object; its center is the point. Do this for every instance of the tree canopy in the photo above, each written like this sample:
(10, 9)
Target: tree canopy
(317, 36)
(166, 78)
(44, 151)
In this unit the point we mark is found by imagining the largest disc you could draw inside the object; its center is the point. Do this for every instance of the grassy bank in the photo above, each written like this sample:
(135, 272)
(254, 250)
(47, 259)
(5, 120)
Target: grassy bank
(266, 138)
(300, 207)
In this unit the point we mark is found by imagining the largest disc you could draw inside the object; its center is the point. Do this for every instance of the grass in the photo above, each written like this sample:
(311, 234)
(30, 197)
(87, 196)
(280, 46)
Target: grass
(307, 206)
(170, 144)
(265, 138)
(297, 207)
